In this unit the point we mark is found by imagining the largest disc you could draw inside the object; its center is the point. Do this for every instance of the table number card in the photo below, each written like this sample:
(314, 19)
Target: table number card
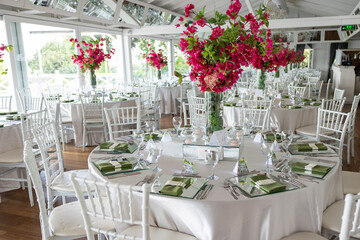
(219, 138)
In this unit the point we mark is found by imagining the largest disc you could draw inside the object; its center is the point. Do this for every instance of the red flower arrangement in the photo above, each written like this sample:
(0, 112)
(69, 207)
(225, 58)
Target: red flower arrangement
(91, 54)
(156, 60)
(235, 41)
(4, 48)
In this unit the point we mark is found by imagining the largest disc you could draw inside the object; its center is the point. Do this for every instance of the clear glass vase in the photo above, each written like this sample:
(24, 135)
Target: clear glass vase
(93, 79)
(261, 80)
(215, 120)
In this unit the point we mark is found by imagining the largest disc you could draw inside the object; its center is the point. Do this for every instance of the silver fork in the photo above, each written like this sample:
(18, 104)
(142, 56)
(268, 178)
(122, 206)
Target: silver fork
(144, 180)
(230, 190)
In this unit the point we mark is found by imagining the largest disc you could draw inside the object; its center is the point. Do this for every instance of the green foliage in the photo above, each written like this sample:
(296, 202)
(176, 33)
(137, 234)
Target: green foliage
(53, 59)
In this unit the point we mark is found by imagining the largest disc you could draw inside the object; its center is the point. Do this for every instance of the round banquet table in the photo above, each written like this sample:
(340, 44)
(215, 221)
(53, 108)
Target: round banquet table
(285, 119)
(219, 216)
(168, 96)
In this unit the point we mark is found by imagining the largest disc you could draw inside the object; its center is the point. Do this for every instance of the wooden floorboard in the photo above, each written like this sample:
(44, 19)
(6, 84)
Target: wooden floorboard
(19, 221)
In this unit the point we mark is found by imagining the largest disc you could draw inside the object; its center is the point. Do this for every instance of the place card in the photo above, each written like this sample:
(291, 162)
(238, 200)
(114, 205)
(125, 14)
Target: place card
(241, 168)
(219, 138)
(258, 138)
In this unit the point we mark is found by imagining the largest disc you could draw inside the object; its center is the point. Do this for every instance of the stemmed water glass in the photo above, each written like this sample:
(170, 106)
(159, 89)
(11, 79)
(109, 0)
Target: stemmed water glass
(212, 158)
(287, 138)
(177, 121)
(139, 140)
(265, 151)
(157, 151)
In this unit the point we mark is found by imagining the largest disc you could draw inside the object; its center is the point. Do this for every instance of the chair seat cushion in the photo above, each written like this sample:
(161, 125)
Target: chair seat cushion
(332, 217)
(351, 182)
(13, 156)
(62, 183)
(157, 233)
(67, 221)
(304, 236)
(307, 130)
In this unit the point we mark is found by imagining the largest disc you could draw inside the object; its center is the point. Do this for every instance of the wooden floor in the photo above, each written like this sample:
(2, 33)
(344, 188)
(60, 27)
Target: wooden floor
(19, 221)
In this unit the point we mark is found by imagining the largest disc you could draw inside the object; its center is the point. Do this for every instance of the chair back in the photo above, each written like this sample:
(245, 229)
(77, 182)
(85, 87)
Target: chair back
(92, 107)
(121, 121)
(297, 91)
(47, 137)
(30, 121)
(350, 225)
(24, 95)
(118, 203)
(260, 118)
(338, 93)
(56, 90)
(33, 171)
(328, 88)
(5, 103)
(185, 108)
(331, 128)
(333, 104)
(353, 111)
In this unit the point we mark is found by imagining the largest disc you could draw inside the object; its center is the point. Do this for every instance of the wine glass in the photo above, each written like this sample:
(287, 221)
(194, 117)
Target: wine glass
(139, 140)
(212, 158)
(157, 154)
(177, 121)
(287, 138)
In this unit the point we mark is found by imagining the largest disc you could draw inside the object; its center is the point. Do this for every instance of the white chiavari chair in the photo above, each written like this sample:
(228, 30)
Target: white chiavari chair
(5, 103)
(338, 93)
(259, 118)
(333, 104)
(187, 119)
(58, 182)
(125, 204)
(121, 121)
(93, 117)
(295, 91)
(63, 222)
(328, 87)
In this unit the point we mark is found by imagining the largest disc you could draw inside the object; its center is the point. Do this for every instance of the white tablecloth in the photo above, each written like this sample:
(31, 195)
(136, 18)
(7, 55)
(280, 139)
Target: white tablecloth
(221, 217)
(286, 119)
(168, 97)
(93, 138)
(10, 139)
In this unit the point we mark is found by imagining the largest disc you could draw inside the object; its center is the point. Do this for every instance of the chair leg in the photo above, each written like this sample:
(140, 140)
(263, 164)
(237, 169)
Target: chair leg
(348, 150)
(29, 185)
(352, 147)
(62, 137)
(21, 176)
(63, 199)
(84, 137)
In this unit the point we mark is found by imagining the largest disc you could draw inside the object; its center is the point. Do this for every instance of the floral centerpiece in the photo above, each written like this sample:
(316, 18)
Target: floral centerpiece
(156, 60)
(235, 41)
(4, 48)
(91, 56)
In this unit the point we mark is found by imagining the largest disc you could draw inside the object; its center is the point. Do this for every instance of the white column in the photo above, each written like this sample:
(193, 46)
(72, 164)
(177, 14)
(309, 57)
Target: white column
(128, 75)
(171, 58)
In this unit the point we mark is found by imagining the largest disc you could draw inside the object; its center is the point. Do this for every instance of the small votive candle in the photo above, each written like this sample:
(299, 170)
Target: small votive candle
(234, 143)
(188, 141)
(239, 134)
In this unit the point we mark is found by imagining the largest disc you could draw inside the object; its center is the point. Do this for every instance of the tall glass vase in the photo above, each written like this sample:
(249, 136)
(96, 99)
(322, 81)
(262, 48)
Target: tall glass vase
(261, 79)
(159, 74)
(215, 120)
(93, 79)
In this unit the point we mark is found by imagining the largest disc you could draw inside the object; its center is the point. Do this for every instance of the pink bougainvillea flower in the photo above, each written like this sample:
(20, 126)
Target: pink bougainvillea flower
(188, 8)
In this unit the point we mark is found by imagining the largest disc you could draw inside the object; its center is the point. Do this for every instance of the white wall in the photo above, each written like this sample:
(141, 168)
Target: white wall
(354, 44)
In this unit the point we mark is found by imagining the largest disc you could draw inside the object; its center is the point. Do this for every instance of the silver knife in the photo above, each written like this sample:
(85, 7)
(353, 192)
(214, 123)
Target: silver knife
(201, 193)
(122, 175)
(206, 192)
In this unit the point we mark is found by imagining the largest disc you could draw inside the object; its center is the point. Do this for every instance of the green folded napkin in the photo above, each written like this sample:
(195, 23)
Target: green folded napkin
(268, 188)
(11, 118)
(3, 113)
(1, 125)
(187, 126)
(175, 190)
(125, 147)
(305, 147)
(260, 107)
(306, 104)
(153, 136)
(68, 101)
(270, 136)
(230, 104)
(285, 96)
(106, 145)
(108, 167)
(293, 107)
(306, 100)
(13, 112)
(315, 104)
(318, 169)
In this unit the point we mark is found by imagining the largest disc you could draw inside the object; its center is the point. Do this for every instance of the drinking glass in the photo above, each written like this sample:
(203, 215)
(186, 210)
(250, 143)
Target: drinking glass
(139, 137)
(287, 138)
(157, 154)
(265, 151)
(177, 121)
(212, 158)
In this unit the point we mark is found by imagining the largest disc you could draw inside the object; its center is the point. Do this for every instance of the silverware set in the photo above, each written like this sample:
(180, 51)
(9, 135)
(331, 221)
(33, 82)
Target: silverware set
(234, 191)
(119, 175)
(204, 192)
(147, 179)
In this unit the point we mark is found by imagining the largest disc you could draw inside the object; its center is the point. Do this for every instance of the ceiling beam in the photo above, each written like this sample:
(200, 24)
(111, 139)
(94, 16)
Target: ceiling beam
(288, 23)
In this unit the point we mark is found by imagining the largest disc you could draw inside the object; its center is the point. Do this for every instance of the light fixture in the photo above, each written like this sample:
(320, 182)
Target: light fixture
(277, 9)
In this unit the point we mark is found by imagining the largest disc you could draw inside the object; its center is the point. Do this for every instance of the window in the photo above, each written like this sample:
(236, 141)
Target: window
(48, 57)
(110, 74)
(180, 61)
(309, 58)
